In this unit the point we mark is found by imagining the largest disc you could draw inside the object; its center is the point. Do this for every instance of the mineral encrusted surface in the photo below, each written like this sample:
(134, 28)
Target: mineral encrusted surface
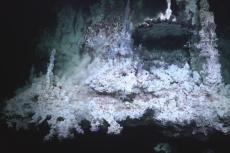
(117, 79)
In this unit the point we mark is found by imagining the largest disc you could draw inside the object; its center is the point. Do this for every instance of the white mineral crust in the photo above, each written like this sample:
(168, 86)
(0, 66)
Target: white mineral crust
(97, 91)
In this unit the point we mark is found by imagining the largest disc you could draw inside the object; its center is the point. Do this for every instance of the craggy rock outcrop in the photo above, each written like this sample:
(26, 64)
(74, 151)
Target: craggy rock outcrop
(114, 82)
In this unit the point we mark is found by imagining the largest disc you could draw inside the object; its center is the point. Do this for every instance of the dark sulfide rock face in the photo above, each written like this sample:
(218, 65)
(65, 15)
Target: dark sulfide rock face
(162, 36)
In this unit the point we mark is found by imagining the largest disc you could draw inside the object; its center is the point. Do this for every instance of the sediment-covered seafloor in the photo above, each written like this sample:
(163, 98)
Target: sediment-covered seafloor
(113, 65)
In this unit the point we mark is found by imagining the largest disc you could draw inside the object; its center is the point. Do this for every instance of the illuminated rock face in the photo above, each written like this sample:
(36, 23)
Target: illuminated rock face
(116, 80)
